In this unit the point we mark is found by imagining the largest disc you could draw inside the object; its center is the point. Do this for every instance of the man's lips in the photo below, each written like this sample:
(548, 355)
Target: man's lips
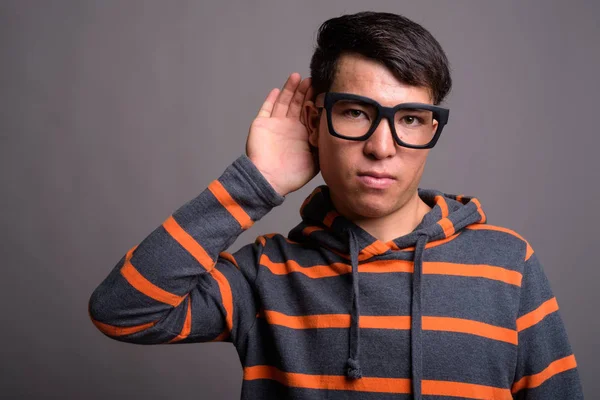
(375, 174)
(375, 179)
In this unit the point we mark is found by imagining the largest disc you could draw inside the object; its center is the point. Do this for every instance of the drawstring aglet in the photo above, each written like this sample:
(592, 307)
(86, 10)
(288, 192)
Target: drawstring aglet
(353, 370)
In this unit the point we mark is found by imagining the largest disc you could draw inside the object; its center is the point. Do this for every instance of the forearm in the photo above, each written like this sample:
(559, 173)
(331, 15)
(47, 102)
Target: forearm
(153, 281)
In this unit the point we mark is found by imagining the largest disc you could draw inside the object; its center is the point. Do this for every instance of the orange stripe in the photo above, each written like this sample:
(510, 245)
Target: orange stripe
(460, 389)
(328, 220)
(376, 248)
(307, 321)
(187, 324)
(326, 321)
(226, 296)
(146, 287)
(397, 322)
(440, 201)
(188, 242)
(505, 230)
(290, 241)
(473, 270)
(112, 330)
(392, 245)
(329, 382)
(480, 211)
(385, 266)
(316, 271)
(393, 266)
(222, 336)
(374, 384)
(447, 324)
(310, 229)
(555, 368)
(261, 240)
(335, 269)
(447, 227)
(236, 211)
(535, 316)
(529, 252)
(459, 197)
(229, 257)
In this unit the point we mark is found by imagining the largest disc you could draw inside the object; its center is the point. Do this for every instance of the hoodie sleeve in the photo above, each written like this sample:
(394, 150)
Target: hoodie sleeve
(179, 284)
(546, 366)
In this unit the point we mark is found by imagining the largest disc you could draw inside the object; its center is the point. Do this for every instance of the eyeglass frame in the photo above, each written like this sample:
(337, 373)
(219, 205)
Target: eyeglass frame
(440, 114)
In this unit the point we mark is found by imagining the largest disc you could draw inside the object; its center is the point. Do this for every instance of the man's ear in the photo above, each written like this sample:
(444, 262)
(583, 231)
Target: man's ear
(311, 119)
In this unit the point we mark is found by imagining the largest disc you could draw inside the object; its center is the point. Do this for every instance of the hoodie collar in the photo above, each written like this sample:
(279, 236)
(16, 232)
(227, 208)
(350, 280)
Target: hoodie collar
(322, 224)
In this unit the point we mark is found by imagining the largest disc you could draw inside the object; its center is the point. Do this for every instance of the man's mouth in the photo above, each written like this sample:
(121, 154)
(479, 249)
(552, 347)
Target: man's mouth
(376, 180)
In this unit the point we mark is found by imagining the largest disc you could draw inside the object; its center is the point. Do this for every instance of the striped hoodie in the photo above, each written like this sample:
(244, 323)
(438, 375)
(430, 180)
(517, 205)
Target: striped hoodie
(456, 309)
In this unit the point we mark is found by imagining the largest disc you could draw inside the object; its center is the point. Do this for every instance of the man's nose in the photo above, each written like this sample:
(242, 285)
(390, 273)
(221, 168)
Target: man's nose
(381, 144)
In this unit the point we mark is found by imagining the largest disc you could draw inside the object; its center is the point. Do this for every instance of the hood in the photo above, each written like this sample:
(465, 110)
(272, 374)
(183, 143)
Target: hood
(323, 226)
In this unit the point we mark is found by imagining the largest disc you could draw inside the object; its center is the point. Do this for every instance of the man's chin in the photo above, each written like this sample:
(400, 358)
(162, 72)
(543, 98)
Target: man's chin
(369, 207)
(358, 203)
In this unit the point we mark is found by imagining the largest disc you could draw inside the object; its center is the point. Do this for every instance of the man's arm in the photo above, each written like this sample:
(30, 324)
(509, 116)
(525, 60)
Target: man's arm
(178, 284)
(546, 366)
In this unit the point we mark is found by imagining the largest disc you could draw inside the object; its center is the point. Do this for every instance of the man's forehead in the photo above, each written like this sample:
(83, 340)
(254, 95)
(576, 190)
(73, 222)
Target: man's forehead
(367, 77)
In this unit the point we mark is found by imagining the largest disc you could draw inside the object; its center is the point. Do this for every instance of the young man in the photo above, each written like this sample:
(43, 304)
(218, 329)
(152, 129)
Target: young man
(384, 290)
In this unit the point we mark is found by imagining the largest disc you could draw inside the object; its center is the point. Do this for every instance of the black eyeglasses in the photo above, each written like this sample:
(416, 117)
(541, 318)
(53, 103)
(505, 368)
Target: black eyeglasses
(354, 117)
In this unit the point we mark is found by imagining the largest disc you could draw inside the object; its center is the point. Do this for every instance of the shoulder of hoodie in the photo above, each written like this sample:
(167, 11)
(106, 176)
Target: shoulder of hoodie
(509, 237)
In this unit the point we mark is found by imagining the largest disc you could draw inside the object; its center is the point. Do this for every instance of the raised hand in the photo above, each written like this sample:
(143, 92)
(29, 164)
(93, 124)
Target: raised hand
(278, 139)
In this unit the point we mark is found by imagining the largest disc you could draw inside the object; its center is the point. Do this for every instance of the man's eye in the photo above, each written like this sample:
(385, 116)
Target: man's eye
(354, 113)
(410, 120)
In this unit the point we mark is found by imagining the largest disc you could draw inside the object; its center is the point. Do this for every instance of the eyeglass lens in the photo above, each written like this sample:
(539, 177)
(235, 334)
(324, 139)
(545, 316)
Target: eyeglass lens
(353, 119)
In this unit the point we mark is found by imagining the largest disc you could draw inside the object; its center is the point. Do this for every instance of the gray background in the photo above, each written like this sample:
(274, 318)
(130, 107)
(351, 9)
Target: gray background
(113, 114)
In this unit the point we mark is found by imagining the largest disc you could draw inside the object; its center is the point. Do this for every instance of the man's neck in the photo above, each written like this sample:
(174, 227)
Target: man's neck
(401, 222)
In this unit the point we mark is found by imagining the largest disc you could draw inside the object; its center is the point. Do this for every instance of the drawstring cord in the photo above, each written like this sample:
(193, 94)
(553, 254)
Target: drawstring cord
(416, 344)
(353, 370)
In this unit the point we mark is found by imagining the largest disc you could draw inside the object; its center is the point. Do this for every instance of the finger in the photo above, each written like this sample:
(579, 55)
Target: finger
(267, 107)
(298, 99)
(285, 96)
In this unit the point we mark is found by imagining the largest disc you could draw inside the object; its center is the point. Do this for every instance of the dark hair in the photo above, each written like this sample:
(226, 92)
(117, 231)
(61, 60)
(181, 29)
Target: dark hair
(407, 49)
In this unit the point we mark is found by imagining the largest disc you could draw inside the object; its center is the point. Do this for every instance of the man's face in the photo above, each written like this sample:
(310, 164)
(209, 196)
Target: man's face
(343, 162)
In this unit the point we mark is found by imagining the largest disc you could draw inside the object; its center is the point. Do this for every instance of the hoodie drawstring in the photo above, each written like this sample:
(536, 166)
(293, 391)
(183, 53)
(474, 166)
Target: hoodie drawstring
(416, 344)
(353, 370)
